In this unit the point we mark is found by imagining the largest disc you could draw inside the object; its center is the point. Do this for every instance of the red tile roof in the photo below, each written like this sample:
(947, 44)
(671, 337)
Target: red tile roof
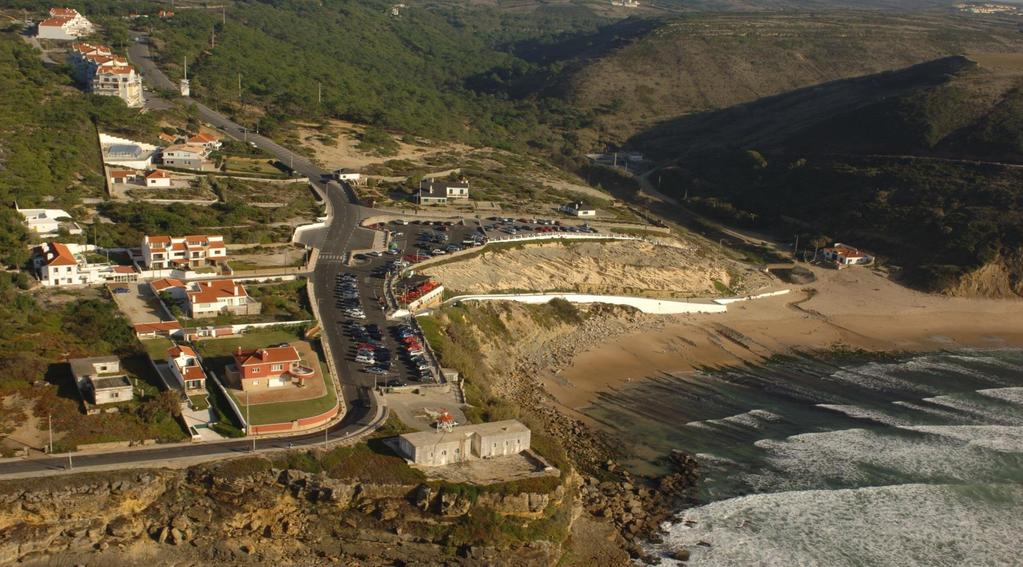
(203, 138)
(157, 174)
(266, 355)
(166, 283)
(68, 12)
(124, 269)
(121, 173)
(213, 290)
(57, 22)
(178, 350)
(154, 327)
(193, 372)
(57, 254)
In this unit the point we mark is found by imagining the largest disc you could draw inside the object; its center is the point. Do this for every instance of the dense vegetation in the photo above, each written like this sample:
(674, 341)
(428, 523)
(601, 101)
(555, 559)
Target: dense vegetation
(451, 73)
(909, 167)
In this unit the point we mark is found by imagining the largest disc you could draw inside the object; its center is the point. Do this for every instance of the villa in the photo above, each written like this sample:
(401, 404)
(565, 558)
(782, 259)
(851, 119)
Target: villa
(440, 193)
(845, 255)
(186, 368)
(578, 209)
(64, 24)
(266, 368)
(159, 252)
(210, 298)
(58, 264)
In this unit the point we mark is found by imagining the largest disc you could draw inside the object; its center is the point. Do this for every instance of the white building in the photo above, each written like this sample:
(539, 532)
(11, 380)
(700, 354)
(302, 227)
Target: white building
(578, 209)
(100, 380)
(123, 152)
(347, 175)
(185, 365)
(58, 264)
(64, 24)
(104, 73)
(845, 255)
(440, 193)
(158, 178)
(464, 443)
(209, 298)
(48, 221)
(159, 252)
(187, 156)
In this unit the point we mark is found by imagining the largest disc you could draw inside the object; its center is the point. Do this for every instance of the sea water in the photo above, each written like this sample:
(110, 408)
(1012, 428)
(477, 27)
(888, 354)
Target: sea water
(913, 460)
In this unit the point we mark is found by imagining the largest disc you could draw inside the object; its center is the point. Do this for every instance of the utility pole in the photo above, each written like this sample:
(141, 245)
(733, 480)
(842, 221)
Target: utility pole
(70, 465)
(319, 93)
(224, 13)
(49, 422)
(796, 250)
(213, 37)
(326, 437)
(239, 87)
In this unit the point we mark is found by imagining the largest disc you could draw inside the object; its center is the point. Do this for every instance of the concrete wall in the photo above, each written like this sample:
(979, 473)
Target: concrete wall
(727, 300)
(644, 304)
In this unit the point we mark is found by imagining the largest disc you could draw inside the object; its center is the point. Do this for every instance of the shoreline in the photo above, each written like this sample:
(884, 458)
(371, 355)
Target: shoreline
(848, 310)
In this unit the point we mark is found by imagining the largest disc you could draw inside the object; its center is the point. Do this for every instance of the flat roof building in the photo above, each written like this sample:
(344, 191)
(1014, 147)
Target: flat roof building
(465, 443)
(100, 380)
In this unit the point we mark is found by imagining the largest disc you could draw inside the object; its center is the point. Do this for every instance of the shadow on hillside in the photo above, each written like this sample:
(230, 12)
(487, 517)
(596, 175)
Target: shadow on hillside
(814, 119)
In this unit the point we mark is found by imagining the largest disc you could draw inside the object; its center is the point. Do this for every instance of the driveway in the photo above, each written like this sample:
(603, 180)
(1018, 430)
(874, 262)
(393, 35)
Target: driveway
(139, 305)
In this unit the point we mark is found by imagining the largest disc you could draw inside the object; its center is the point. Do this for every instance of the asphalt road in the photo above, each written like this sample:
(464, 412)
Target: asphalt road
(341, 235)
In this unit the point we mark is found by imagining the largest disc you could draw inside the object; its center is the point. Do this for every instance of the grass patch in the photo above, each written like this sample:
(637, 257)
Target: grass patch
(199, 402)
(157, 348)
(371, 462)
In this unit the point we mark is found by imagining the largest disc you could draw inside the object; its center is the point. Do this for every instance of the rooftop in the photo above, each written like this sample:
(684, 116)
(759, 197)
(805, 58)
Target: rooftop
(265, 355)
(86, 366)
(110, 382)
(419, 438)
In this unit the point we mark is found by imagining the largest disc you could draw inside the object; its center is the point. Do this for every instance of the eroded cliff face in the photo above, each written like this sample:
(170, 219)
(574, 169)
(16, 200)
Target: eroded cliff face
(1001, 278)
(244, 512)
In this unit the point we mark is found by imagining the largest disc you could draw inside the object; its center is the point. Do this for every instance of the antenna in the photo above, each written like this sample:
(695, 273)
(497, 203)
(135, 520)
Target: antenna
(224, 14)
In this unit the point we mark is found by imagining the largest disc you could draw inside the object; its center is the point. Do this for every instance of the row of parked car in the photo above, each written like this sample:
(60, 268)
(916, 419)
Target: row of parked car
(346, 296)
(412, 345)
(370, 348)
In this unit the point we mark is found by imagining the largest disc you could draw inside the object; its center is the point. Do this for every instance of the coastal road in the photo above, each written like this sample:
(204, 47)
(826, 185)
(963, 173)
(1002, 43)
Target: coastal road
(341, 235)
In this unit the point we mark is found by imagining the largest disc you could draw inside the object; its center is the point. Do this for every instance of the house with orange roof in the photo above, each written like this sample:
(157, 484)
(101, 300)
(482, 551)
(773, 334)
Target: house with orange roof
(158, 178)
(268, 367)
(169, 138)
(844, 255)
(159, 329)
(209, 298)
(208, 141)
(187, 369)
(187, 156)
(58, 264)
(64, 24)
(164, 252)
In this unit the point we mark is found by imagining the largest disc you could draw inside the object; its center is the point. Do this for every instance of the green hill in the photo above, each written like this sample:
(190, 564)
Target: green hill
(908, 163)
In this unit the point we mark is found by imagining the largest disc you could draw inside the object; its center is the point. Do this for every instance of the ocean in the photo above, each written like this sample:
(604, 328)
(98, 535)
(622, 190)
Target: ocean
(838, 461)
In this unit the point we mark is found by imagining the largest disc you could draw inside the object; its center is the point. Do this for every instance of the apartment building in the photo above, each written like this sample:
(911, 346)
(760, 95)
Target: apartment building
(104, 73)
(64, 24)
(162, 252)
(187, 156)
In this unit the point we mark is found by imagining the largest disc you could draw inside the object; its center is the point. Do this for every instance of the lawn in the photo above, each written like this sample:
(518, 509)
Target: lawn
(157, 348)
(281, 301)
(289, 411)
(216, 354)
(257, 166)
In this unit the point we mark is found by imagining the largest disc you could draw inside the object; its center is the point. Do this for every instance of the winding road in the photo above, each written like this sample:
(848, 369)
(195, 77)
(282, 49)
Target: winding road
(334, 241)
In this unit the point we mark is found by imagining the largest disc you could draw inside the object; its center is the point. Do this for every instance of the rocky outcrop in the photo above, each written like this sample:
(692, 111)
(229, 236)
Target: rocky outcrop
(1000, 278)
(246, 512)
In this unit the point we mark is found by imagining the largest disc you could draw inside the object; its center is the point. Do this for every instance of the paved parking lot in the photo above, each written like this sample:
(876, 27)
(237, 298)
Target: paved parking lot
(138, 304)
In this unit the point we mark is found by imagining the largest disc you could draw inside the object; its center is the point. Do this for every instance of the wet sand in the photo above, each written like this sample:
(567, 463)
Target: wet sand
(849, 309)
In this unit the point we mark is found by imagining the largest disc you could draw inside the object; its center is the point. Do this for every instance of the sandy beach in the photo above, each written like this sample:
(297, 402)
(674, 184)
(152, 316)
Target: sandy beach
(851, 309)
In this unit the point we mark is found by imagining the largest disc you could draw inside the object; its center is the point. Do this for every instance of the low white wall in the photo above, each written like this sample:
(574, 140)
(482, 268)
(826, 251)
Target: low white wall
(727, 300)
(644, 304)
(305, 227)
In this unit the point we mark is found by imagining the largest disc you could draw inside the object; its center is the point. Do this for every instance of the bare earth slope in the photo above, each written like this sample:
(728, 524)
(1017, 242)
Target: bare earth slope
(621, 267)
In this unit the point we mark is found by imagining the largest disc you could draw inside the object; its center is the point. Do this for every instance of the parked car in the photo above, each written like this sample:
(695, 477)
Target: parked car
(121, 290)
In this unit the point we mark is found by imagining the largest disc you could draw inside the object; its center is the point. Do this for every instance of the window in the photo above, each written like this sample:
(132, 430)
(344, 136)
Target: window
(115, 394)
(277, 367)
(256, 369)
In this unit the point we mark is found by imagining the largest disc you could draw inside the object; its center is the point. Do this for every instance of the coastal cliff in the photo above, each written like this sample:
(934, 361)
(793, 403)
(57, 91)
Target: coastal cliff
(249, 512)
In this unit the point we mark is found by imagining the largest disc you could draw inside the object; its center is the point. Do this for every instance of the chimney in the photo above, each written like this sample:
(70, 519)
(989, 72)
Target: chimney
(238, 350)
(236, 289)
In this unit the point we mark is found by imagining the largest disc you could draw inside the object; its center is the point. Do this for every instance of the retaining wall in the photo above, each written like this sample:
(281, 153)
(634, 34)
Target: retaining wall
(644, 304)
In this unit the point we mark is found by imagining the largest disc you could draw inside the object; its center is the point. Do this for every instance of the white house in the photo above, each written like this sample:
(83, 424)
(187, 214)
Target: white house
(347, 175)
(187, 156)
(208, 141)
(64, 24)
(100, 380)
(433, 192)
(464, 443)
(578, 209)
(209, 298)
(58, 264)
(159, 252)
(185, 366)
(158, 178)
(123, 152)
(845, 255)
(48, 221)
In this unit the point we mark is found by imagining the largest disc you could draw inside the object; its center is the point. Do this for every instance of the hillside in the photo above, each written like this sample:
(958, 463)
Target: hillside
(703, 62)
(908, 163)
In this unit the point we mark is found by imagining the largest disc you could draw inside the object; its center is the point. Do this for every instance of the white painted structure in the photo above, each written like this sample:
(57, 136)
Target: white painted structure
(64, 24)
(577, 209)
(48, 221)
(58, 264)
(465, 443)
(100, 380)
(644, 304)
(126, 153)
